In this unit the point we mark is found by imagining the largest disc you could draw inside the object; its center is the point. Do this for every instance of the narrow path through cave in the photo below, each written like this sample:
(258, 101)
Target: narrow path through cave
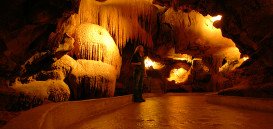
(178, 111)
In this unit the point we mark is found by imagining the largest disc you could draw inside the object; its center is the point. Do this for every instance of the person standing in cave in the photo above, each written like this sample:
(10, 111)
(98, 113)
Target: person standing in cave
(137, 61)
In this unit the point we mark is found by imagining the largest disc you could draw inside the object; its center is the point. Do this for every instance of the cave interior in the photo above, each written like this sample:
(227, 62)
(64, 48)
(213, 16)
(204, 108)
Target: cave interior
(81, 49)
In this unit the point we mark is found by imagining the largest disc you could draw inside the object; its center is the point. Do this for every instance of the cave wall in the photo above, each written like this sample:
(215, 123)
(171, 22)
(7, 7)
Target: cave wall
(247, 23)
(41, 32)
(25, 28)
(195, 35)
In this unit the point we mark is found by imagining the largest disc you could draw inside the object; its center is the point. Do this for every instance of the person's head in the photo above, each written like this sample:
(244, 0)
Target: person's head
(139, 49)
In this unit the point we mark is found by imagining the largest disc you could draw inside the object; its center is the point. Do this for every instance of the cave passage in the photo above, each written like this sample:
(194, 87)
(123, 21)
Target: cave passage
(74, 50)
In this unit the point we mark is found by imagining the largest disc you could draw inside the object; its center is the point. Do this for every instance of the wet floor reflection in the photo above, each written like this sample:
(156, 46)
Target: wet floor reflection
(178, 112)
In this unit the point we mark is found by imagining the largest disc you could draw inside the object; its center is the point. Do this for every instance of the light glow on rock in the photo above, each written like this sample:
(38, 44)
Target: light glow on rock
(216, 18)
(94, 42)
(232, 65)
(182, 57)
(178, 75)
(123, 19)
(245, 58)
(149, 63)
(196, 34)
(178, 56)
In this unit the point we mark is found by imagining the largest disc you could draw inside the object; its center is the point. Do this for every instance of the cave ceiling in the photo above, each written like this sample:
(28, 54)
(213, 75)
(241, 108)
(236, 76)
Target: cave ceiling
(26, 26)
(247, 23)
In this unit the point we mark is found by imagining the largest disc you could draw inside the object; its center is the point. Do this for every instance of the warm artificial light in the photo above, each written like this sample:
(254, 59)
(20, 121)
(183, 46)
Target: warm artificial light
(149, 63)
(216, 18)
(179, 56)
(182, 57)
(245, 58)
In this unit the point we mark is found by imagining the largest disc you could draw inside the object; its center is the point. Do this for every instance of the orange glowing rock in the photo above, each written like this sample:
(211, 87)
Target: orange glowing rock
(149, 63)
(216, 18)
(178, 75)
(245, 58)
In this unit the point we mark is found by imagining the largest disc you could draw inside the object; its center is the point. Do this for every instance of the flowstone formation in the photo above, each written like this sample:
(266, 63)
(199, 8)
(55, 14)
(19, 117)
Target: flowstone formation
(124, 19)
(93, 74)
(68, 45)
(98, 63)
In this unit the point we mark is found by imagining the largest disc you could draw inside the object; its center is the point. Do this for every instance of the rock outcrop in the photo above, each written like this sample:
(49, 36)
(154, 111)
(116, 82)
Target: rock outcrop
(249, 25)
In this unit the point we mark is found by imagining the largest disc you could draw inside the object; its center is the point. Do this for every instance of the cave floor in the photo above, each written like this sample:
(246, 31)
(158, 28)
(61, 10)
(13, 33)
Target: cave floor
(178, 111)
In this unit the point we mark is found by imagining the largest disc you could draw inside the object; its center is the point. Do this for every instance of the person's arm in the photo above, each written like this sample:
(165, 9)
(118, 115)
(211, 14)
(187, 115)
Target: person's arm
(134, 61)
(145, 74)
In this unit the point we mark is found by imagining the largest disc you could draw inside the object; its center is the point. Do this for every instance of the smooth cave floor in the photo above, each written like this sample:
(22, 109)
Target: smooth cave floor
(178, 111)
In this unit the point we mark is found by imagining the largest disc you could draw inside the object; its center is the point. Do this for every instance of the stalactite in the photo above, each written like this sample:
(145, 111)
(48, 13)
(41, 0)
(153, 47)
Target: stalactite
(102, 30)
(121, 20)
(93, 42)
(98, 57)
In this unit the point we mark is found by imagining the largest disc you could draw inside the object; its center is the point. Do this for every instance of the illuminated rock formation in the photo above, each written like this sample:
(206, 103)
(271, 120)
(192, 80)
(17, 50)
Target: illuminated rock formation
(94, 73)
(81, 43)
(124, 19)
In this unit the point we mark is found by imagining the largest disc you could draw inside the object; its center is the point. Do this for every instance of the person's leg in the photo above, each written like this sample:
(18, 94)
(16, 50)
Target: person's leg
(141, 86)
(136, 94)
